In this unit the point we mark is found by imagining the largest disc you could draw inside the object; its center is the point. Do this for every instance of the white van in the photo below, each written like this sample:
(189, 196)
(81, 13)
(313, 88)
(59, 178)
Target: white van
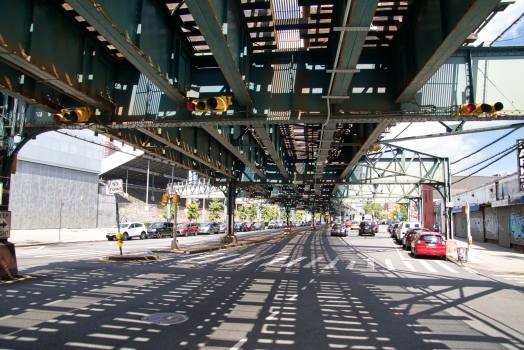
(403, 228)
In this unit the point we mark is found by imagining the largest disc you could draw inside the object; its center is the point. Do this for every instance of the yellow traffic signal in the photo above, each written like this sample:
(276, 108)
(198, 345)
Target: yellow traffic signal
(480, 109)
(73, 115)
(375, 148)
(176, 198)
(165, 198)
(212, 104)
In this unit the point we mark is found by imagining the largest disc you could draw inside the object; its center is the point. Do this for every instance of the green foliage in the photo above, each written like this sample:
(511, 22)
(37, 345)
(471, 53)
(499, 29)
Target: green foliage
(192, 210)
(215, 208)
(252, 213)
(299, 215)
(242, 212)
(375, 210)
(164, 207)
(147, 224)
(269, 214)
(404, 211)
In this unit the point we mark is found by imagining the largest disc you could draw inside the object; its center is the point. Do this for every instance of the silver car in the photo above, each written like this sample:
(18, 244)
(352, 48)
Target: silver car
(208, 228)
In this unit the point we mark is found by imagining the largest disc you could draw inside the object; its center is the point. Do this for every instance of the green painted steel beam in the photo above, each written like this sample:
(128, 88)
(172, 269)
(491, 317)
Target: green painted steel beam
(227, 37)
(350, 45)
(141, 32)
(60, 55)
(430, 35)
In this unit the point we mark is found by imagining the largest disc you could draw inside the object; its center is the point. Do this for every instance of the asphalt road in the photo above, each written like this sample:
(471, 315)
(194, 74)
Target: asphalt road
(311, 291)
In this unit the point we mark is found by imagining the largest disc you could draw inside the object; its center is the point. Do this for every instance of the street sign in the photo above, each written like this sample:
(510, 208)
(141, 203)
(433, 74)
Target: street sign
(115, 186)
(520, 162)
(5, 224)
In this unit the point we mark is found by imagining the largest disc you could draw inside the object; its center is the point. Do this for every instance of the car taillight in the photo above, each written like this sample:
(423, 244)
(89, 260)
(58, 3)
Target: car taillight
(443, 242)
(418, 242)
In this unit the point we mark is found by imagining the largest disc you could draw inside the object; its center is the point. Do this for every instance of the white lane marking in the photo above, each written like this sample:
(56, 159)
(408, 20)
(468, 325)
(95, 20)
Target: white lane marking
(351, 265)
(293, 297)
(293, 262)
(272, 316)
(42, 247)
(409, 266)
(199, 257)
(481, 276)
(396, 249)
(215, 259)
(427, 266)
(304, 288)
(239, 344)
(311, 263)
(441, 263)
(331, 264)
(371, 263)
(275, 260)
(311, 281)
(237, 259)
(389, 265)
(257, 259)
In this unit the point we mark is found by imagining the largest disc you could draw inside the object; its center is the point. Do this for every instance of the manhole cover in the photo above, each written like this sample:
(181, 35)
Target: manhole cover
(165, 318)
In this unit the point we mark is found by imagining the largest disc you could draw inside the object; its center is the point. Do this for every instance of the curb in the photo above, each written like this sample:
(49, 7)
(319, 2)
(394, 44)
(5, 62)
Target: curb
(131, 258)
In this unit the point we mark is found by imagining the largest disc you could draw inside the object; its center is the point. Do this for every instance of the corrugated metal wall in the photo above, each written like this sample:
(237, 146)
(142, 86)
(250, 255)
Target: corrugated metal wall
(37, 190)
(106, 211)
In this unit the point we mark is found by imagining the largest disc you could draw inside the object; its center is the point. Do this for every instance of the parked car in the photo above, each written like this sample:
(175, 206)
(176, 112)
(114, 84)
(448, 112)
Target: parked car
(408, 237)
(394, 229)
(404, 227)
(222, 228)
(187, 229)
(160, 229)
(128, 231)
(250, 227)
(391, 226)
(280, 224)
(259, 226)
(366, 228)
(272, 225)
(339, 230)
(354, 225)
(208, 228)
(240, 227)
(428, 243)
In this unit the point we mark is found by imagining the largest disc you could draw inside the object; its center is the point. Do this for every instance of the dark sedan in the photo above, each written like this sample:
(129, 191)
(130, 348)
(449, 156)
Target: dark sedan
(160, 229)
(240, 227)
(339, 230)
(367, 228)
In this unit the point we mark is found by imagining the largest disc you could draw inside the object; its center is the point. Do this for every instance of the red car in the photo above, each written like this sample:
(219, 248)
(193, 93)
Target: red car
(428, 243)
(408, 237)
(187, 229)
(251, 227)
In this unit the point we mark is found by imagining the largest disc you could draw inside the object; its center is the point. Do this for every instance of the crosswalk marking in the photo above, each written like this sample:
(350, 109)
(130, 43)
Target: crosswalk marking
(389, 265)
(311, 263)
(275, 260)
(427, 266)
(371, 263)
(331, 264)
(215, 259)
(257, 259)
(351, 265)
(237, 259)
(199, 257)
(64, 255)
(409, 265)
(446, 266)
(293, 262)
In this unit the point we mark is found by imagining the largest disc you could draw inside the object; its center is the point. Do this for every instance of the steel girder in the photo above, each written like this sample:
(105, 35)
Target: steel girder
(30, 44)
(434, 31)
(226, 35)
(142, 33)
(350, 45)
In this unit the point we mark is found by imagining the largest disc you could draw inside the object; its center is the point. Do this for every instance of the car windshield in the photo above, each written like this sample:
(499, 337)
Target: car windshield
(182, 225)
(336, 226)
(157, 225)
(431, 239)
(205, 225)
(124, 225)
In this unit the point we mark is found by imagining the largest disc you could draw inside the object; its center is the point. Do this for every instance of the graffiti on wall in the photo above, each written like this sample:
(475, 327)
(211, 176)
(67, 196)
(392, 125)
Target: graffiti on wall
(476, 224)
(492, 223)
(516, 224)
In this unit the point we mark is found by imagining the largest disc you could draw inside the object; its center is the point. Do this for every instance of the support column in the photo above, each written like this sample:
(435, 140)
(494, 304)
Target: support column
(231, 197)
(147, 185)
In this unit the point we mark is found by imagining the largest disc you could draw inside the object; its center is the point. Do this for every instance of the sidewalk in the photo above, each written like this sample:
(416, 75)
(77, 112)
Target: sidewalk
(24, 238)
(491, 257)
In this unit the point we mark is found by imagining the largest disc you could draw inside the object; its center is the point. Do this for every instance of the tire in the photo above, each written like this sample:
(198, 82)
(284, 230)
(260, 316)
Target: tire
(125, 236)
(143, 235)
(404, 247)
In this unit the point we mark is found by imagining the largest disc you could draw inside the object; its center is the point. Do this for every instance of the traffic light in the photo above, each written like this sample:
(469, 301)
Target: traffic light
(212, 104)
(375, 148)
(176, 198)
(480, 109)
(73, 115)
(165, 198)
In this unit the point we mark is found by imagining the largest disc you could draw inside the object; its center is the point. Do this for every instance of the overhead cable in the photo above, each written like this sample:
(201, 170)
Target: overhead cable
(487, 165)
(480, 149)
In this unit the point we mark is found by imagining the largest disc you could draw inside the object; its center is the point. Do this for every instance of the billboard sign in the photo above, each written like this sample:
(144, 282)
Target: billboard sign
(520, 162)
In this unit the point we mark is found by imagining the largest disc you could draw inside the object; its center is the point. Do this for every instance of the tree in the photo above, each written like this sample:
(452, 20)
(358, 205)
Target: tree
(192, 210)
(164, 206)
(374, 209)
(242, 212)
(402, 208)
(269, 213)
(252, 212)
(215, 208)
(299, 215)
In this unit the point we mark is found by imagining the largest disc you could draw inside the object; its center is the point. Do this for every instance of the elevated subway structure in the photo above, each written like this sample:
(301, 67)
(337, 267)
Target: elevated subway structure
(315, 84)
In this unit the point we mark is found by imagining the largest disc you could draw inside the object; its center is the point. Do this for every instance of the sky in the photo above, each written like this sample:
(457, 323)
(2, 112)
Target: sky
(456, 147)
